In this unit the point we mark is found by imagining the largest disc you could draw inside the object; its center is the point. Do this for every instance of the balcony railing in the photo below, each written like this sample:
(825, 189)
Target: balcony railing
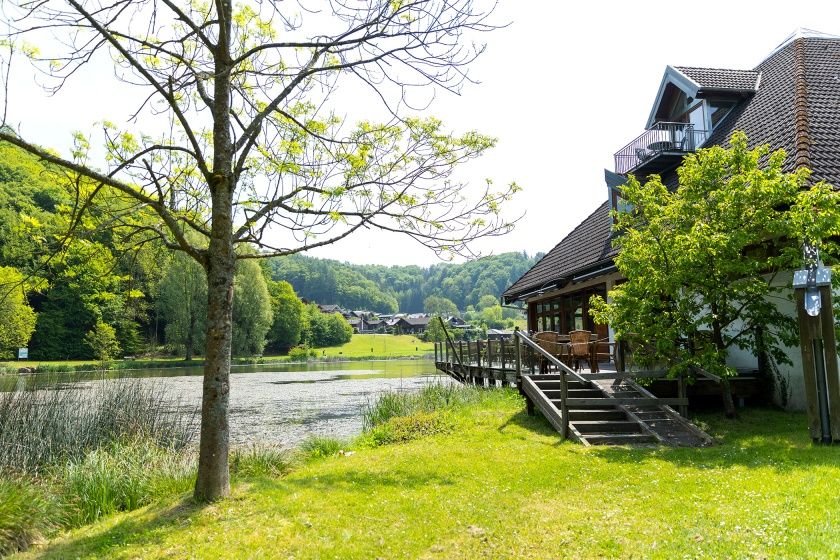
(661, 138)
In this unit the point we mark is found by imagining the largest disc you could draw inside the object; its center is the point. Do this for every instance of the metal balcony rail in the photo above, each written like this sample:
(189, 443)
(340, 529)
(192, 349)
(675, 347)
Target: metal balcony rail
(663, 137)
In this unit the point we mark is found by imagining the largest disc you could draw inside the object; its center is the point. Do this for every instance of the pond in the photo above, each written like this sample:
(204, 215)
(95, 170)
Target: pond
(277, 404)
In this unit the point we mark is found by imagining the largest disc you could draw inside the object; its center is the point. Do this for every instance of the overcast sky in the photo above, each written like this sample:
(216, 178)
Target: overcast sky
(563, 87)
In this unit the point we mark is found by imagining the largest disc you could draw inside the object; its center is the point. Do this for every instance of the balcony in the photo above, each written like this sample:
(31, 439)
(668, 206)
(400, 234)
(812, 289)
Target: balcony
(659, 147)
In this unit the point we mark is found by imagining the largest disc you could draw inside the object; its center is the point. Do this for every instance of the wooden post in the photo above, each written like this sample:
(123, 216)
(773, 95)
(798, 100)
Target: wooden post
(819, 354)
(681, 394)
(502, 352)
(518, 350)
(491, 381)
(446, 350)
(564, 408)
(436, 353)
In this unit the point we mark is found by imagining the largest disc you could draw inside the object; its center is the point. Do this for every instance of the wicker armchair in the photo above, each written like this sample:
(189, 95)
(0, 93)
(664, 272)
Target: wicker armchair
(579, 342)
(548, 341)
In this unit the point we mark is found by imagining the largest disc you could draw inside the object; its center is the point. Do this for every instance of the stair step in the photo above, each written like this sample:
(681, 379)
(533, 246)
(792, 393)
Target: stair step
(575, 393)
(554, 385)
(595, 406)
(596, 414)
(606, 426)
(618, 439)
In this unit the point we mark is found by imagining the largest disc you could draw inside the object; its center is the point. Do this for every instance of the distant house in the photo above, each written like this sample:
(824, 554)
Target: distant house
(331, 308)
(409, 324)
(790, 100)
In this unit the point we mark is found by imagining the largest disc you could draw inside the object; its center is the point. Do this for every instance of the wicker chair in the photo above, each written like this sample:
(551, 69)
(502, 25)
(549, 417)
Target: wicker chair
(548, 341)
(579, 342)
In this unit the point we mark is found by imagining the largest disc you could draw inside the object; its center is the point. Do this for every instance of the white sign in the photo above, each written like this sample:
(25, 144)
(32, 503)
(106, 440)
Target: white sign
(23, 353)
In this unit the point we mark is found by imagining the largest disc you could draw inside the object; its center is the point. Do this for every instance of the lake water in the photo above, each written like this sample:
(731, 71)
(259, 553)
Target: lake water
(277, 404)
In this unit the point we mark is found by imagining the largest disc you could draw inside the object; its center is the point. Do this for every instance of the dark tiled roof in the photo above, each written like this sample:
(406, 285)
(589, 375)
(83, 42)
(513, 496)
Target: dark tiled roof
(796, 107)
(722, 78)
(587, 245)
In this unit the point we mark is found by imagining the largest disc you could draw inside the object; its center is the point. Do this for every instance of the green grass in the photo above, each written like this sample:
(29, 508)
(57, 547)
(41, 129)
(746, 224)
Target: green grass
(379, 346)
(499, 484)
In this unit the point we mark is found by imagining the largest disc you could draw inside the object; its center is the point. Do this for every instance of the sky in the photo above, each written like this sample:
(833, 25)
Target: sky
(563, 87)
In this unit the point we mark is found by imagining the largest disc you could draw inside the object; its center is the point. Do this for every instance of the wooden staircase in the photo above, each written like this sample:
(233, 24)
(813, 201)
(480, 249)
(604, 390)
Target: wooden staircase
(608, 411)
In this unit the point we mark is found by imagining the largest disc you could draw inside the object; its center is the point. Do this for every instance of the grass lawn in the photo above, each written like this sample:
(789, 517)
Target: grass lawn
(499, 484)
(380, 346)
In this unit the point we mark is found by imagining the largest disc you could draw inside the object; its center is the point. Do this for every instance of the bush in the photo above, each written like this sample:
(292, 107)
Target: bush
(102, 342)
(299, 353)
(27, 513)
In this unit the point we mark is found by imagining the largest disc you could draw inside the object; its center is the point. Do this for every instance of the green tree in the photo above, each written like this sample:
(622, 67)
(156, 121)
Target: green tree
(17, 319)
(438, 305)
(486, 301)
(339, 330)
(249, 144)
(287, 317)
(182, 301)
(434, 331)
(702, 261)
(102, 341)
(252, 314)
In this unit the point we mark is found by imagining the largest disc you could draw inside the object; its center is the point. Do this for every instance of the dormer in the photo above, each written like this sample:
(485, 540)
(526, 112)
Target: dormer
(689, 105)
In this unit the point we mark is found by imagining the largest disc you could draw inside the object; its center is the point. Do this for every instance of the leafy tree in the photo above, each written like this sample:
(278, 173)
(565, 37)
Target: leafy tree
(287, 312)
(339, 330)
(486, 301)
(434, 331)
(102, 341)
(17, 319)
(182, 300)
(702, 261)
(252, 314)
(491, 317)
(437, 305)
(250, 144)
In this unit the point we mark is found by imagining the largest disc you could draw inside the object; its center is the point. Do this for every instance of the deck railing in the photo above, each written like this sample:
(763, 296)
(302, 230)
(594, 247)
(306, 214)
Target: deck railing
(662, 137)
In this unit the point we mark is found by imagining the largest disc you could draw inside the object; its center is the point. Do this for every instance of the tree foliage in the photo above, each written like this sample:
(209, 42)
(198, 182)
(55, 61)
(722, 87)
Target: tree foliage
(182, 301)
(252, 313)
(703, 261)
(387, 289)
(438, 305)
(287, 317)
(17, 319)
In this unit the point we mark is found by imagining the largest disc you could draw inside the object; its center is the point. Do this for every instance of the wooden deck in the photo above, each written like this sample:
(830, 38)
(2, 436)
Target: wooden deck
(604, 408)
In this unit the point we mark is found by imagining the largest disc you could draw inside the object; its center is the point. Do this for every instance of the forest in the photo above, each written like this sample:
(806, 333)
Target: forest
(97, 288)
(388, 289)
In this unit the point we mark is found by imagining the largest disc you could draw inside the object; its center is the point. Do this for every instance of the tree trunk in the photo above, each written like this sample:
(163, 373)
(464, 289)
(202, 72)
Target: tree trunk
(726, 389)
(213, 480)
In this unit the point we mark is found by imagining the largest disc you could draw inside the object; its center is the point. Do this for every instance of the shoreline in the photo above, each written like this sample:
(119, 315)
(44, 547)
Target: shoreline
(11, 370)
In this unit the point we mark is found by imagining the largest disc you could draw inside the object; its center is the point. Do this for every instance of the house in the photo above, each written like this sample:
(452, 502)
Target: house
(789, 101)
(409, 324)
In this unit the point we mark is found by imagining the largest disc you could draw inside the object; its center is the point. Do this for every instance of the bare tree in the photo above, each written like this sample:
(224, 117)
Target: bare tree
(253, 142)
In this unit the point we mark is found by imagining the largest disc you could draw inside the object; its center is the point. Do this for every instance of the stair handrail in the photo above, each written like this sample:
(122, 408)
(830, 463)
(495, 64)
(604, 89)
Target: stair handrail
(550, 357)
(451, 345)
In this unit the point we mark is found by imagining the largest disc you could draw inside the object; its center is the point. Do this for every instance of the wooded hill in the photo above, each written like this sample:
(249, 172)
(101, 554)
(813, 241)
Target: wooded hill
(387, 289)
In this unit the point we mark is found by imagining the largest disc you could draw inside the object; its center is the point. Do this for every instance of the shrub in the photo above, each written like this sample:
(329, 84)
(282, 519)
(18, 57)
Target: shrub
(299, 353)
